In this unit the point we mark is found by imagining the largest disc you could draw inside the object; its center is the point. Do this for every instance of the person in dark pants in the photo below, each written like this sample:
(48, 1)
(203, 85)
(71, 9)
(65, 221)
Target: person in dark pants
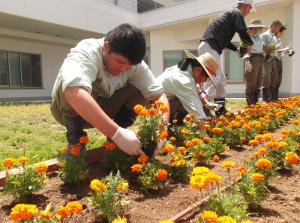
(271, 65)
(100, 82)
(218, 36)
(254, 63)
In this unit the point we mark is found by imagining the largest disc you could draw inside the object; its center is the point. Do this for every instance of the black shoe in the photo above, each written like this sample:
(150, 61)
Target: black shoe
(222, 110)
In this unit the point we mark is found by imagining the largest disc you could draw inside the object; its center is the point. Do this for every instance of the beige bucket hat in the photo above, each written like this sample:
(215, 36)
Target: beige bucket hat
(247, 2)
(256, 23)
(208, 62)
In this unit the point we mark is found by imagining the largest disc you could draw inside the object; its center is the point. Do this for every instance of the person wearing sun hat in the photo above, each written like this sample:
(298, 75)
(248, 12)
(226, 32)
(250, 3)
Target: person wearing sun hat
(218, 36)
(254, 63)
(183, 85)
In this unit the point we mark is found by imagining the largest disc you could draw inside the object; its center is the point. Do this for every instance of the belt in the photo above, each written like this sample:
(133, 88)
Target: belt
(256, 55)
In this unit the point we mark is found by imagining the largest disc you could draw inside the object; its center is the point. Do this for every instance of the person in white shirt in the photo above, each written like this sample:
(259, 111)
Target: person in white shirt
(100, 82)
(183, 85)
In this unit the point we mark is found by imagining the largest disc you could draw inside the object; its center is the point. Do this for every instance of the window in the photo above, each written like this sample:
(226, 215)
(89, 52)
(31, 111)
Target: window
(234, 66)
(172, 58)
(20, 70)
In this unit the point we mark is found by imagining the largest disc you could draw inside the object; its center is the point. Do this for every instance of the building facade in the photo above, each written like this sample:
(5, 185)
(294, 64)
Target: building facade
(36, 35)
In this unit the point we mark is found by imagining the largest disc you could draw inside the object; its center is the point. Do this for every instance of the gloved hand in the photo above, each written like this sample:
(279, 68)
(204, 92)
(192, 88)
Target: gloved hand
(211, 106)
(127, 141)
(241, 51)
(248, 66)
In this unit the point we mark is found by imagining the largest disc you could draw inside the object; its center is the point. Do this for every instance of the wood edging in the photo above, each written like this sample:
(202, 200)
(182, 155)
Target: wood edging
(92, 156)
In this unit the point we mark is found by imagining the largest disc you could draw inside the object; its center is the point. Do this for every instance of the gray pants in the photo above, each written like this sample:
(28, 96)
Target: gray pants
(118, 107)
(254, 78)
(271, 80)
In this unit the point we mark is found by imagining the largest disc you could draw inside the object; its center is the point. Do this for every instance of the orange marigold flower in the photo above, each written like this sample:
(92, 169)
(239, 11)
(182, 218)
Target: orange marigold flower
(144, 112)
(138, 108)
(161, 174)
(143, 159)
(292, 158)
(23, 212)
(109, 146)
(217, 130)
(152, 111)
(228, 164)
(189, 144)
(242, 170)
(75, 150)
(122, 186)
(163, 134)
(23, 159)
(206, 139)
(216, 158)
(259, 138)
(262, 151)
(83, 139)
(209, 216)
(207, 126)
(164, 108)
(257, 177)
(44, 214)
(253, 142)
(63, 149)
(41, 167)
(98, 186)
(172, 139)
(74, 207)
(243, 139)
(181, 150)
(8, 162)
(198, 153)
(184, 131)
(213, 177)
(264, 163)
(136, 168)
(196, 141)
(168, 148)
(62, 213)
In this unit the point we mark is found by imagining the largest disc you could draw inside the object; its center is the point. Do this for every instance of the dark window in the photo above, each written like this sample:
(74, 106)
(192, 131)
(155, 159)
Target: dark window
(20, 70)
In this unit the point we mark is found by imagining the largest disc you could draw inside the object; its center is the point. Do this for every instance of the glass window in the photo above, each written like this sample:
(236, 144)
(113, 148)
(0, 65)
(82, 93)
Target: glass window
(172, 58)
(18, 70)
(234, 66)
(4, 75)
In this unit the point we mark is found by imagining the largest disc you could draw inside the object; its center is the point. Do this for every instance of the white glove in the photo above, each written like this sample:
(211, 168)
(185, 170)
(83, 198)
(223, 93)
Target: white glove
(211, 106)
(127, 141)
(248, 66)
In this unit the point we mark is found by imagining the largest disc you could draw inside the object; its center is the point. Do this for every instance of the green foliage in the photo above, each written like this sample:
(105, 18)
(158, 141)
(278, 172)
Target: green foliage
(110, 201)
(119, 160)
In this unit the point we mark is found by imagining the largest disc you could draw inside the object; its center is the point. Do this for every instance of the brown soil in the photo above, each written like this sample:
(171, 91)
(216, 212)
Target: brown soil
(282, 205)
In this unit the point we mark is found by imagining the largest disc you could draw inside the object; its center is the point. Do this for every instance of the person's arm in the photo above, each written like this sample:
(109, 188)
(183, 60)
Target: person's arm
(163, 98)
(245, 37)
(231, 46)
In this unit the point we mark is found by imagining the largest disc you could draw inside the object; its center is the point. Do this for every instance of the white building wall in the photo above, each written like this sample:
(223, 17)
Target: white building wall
(52, 56)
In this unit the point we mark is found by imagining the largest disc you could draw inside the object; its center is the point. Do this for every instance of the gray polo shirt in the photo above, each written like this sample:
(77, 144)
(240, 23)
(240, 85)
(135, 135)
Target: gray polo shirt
(84, 67)
(269, 39)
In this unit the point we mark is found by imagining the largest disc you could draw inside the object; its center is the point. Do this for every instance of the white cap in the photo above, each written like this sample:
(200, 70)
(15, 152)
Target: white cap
(247, 2)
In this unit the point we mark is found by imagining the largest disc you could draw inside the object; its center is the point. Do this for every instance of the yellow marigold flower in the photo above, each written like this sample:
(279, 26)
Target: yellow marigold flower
(41, 167)
(208, 216)
(257, 177)
(189, 117)
(242, 170)
(45, 214)
(168, 148)
(109, 146)
(184, 131)
(228, 164)
(161, 174)
(83, 139)
(181, 150)
(228, 114)
(23, 212)
(196, 141)
(98, 186)
(166, 221)
(143, 159)
(216, 158)
(217, 130)
(62, 213)
(180, 162)
(120, 219)
(207, 126)
(23, 159)
(247, 221)
(136, 168)
(292, 158)
(268, 136)
(138, 108)
(213, 177)
(282, 145)
(74, 207)
(75, 150)
(122, 186)
(8, 162)
(253, 142)
(63, 149)
(264, 163)
(199, 182)
(235, 124)
(144, 112)
(200, 170)
(226, 219)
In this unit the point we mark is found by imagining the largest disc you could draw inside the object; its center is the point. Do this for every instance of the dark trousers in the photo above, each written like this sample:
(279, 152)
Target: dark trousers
(119, 107)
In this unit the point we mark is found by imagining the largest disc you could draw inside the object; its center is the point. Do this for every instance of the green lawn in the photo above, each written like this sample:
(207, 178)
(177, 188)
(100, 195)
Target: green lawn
(29, 129)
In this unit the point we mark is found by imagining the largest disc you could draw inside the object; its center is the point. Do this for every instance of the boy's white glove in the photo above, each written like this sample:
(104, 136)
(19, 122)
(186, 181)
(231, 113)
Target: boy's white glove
(211, 106)
(127, 141)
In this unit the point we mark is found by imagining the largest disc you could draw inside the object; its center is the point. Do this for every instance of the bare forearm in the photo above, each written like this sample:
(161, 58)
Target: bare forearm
(84, 104)
(163, 98)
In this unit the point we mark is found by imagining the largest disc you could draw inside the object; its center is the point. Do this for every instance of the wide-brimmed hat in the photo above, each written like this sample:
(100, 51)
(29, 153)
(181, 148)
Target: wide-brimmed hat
(256, 23)
(208, 62)
(247, 2)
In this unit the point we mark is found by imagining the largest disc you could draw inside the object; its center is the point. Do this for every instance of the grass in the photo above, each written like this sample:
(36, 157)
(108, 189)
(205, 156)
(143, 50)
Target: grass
(30, 129)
